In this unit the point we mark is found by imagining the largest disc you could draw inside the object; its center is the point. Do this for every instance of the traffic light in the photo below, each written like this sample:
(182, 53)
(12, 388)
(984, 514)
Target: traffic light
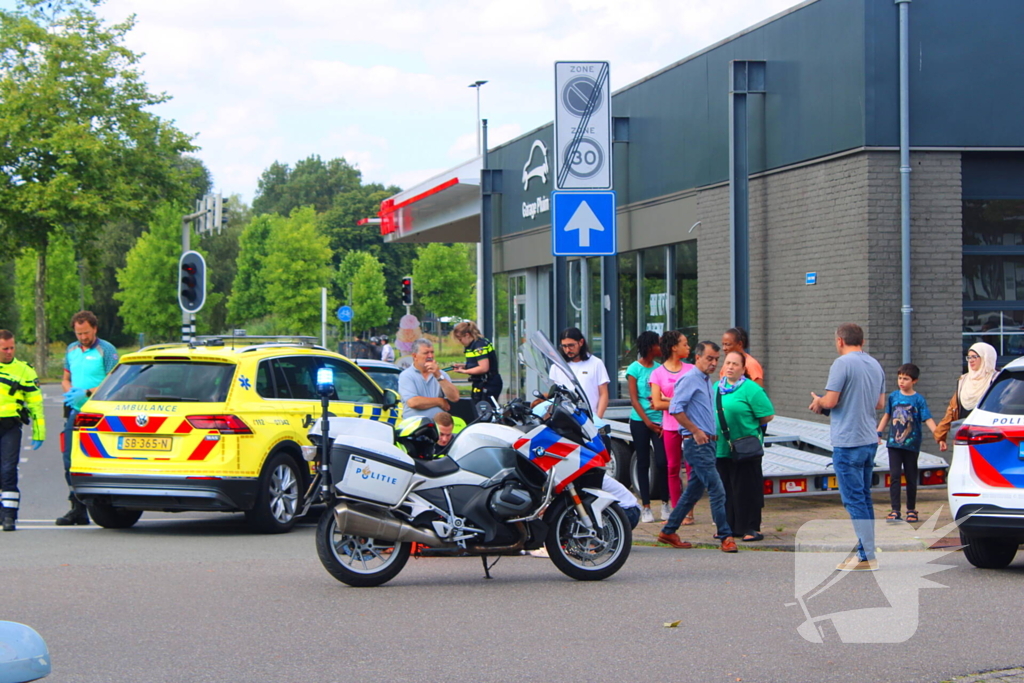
(407, 290)
(191, 281)
(220, 213)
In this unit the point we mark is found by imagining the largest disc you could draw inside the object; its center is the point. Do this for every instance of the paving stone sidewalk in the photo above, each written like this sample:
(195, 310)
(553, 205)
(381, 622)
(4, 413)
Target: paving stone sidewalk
(783, 517)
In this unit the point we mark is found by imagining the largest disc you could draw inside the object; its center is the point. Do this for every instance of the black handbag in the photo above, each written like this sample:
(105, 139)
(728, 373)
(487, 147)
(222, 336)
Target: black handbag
(743, 448)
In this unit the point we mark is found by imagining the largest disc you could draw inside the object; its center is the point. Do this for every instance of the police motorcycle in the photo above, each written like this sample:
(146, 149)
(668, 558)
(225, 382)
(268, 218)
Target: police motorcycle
(507, 484)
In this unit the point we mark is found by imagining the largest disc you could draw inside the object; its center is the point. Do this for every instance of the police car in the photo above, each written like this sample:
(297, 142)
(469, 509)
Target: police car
(215, 425)
(986, 476)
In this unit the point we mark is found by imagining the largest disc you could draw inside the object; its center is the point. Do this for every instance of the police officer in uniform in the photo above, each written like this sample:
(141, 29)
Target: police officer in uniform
(481, 362)
(20, 399)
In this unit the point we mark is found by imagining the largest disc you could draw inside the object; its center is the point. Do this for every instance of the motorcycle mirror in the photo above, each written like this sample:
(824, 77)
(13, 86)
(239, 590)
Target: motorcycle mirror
(484, 411)
(537, 394)
(24, 656)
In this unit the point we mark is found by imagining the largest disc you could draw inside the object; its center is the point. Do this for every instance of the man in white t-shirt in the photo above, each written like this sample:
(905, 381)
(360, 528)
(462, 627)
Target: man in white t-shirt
(589, 370)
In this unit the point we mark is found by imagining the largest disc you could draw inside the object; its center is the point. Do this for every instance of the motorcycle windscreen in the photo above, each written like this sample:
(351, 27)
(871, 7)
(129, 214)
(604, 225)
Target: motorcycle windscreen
(540, 356)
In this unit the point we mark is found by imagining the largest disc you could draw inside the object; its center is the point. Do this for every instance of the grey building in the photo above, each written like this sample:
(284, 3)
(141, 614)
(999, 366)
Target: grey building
(824, 198)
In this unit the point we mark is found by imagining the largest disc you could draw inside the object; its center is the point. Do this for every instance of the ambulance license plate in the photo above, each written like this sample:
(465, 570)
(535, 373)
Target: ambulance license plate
(143, 443)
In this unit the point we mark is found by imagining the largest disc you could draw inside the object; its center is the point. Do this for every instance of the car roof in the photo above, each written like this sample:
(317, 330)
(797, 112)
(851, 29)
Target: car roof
(1015, 364)
(227, 352)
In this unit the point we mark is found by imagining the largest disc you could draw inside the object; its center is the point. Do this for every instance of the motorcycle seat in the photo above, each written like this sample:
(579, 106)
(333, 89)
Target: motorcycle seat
(440, 467)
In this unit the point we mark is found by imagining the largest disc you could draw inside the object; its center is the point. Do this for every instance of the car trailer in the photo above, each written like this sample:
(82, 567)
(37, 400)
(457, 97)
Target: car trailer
(797, 459)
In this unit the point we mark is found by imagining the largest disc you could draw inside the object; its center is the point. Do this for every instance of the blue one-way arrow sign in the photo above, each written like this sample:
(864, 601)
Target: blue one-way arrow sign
(583, 223)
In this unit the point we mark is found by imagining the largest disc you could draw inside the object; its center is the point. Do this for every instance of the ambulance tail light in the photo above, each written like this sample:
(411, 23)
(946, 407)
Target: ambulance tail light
(970, 435)
(769, 487)
(225, 424)
(933, 477)
(87, 420)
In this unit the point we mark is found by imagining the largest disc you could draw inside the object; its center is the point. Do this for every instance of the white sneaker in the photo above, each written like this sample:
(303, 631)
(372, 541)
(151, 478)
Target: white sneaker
(666, 512)
(646, 515)
(539, 552)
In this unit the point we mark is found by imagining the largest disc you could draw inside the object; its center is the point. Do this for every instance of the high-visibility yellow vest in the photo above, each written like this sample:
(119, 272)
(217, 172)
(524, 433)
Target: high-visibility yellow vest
(20, 396)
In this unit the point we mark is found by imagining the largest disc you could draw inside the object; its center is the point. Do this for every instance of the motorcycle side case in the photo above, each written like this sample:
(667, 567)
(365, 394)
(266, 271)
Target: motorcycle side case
(370, 469)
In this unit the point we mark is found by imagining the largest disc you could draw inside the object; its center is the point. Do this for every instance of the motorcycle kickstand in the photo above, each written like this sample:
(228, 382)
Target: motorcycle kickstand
(487, 568)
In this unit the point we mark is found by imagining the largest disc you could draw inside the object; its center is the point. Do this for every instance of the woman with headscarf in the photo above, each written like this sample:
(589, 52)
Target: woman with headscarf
(981, 370)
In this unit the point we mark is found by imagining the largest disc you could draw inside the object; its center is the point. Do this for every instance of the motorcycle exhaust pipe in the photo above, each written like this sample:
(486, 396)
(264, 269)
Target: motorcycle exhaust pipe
(382, 525)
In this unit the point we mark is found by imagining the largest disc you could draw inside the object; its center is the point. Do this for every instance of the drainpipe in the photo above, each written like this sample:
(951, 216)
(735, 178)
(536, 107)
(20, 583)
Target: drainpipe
(906, 309)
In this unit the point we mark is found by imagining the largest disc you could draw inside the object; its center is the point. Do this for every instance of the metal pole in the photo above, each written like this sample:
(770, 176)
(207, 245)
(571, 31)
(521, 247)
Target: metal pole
(560, 297)
(323, 317)
(486, 265)
(906, 309)
(186, 318)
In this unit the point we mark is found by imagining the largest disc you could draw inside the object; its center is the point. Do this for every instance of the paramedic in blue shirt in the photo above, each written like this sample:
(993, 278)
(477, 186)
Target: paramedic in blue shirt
(87, 362)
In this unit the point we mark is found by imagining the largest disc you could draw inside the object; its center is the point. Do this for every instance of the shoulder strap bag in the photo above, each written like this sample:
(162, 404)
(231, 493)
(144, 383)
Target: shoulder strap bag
(743, 448)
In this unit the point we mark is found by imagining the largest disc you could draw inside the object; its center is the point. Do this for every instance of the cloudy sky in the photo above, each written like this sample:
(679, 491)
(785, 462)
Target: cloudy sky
(383, 83)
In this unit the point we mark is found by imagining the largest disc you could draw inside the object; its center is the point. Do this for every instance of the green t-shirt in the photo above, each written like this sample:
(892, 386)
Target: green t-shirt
(743, 410)
(643, 391)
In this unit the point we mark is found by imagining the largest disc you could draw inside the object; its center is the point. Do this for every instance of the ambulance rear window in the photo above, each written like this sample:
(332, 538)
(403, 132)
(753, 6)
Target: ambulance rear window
(1006, 395)
(169, 382)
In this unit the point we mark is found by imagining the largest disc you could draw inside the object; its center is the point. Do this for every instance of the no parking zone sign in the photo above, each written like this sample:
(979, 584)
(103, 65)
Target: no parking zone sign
(583, 126)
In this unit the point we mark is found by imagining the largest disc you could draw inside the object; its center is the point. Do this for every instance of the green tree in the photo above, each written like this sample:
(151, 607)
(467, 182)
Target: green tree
(296, 267)
(79, 146)
(63, 298)
(312, 182)
(222, 250)
(149, 281)
(248, 299)
(365, 274)
(443, 280)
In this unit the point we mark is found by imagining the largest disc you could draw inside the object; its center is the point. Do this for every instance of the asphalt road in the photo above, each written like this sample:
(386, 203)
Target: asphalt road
(199, 598)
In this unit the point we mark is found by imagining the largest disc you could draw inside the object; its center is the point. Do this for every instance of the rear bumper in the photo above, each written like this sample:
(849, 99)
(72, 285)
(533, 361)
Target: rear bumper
(991, 521)
(167, 493)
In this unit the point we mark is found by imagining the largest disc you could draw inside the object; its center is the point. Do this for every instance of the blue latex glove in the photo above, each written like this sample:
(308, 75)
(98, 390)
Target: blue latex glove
(75, 399)
(36, 444)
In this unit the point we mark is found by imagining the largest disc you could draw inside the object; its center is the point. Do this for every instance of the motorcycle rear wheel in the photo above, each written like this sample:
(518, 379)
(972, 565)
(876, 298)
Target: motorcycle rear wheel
(357, 560)
(584, 555)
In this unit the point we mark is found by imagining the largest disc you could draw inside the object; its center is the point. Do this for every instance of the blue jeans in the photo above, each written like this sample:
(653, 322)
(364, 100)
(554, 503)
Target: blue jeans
(703, 475)
(854, 466)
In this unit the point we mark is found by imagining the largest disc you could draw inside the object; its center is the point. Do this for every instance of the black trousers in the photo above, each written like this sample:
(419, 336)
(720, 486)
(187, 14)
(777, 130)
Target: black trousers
(645, 445)
(10, 447)
(902, 461)
(744, 493)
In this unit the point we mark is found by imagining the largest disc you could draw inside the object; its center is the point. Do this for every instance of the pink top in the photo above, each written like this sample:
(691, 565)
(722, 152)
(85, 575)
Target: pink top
(666, 381)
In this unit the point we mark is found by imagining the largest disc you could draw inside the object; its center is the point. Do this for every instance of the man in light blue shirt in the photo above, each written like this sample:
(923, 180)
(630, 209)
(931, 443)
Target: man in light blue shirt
(854, 391)
(87, 362)
(425, 389)
(693, 406)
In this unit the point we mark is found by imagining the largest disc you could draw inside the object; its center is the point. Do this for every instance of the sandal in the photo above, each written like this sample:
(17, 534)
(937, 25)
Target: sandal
(894, 516)
(688, 520)
(754, 537)
(911, 515)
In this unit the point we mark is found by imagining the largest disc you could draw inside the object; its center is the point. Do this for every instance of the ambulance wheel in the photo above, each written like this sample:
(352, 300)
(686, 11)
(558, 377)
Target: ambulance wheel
(110, 517)
(279, 497)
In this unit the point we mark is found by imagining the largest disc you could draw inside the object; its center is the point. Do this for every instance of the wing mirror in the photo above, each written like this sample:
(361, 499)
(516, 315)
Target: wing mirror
(391, 398)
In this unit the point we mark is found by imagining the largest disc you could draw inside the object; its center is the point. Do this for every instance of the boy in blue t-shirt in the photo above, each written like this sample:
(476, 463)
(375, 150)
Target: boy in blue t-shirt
(908, 411)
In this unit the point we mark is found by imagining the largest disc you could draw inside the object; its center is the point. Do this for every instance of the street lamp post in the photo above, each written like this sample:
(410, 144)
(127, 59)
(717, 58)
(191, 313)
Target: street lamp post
(480, 244)
(477, 84)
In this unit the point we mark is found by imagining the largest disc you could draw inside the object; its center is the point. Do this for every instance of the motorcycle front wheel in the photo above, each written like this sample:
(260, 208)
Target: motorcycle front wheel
(357, 560)
(584, 554)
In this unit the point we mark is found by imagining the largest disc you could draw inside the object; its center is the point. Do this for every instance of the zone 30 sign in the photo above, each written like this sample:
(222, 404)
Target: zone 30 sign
(583, 126)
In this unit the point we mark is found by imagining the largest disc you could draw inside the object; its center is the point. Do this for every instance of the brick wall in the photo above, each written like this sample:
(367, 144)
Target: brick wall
(841, 219)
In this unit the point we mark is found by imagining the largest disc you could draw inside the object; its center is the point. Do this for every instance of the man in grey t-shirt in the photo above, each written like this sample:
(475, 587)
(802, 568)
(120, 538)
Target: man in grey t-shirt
(855, 390)
(425, 389)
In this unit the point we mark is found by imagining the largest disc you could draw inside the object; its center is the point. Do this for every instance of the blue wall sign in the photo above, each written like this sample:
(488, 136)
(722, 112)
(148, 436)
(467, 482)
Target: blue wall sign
(811, 279)
(583, 223)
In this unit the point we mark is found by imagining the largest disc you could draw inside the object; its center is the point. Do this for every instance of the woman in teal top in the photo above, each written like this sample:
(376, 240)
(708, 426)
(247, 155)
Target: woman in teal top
(746, 407)
(645, 423)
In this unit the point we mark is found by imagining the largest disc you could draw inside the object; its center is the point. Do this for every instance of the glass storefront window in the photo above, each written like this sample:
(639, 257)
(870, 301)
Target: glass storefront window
(684, 316)
(654, 294)
(993, 222)
(502, 327)
(594, 308)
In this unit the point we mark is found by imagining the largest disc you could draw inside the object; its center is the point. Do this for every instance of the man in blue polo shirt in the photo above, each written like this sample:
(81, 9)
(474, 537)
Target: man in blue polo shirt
(692, 405)
(87, 362)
